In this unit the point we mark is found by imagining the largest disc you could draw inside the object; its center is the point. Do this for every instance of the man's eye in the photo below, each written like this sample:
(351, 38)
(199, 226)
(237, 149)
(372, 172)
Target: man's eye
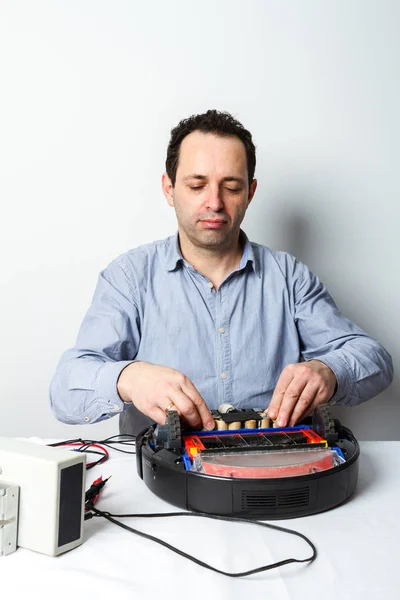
(234, 190)
(196, 187)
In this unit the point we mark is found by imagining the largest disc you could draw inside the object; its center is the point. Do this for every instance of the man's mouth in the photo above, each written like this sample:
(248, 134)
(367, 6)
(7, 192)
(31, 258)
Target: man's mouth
(213, 223)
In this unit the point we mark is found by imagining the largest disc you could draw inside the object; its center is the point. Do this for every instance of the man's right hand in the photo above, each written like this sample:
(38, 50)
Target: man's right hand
(153, 388)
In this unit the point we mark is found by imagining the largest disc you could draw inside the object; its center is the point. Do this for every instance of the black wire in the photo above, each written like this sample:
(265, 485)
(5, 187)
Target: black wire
(110, 442)
(131, 438)
(119, 435)
(110, 517)
(85, 448)
(54, 444)
(91, 452)
(119, 449)
(96, 463)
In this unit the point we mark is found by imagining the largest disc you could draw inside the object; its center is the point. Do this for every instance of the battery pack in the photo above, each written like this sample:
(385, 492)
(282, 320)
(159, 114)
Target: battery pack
(51, 485)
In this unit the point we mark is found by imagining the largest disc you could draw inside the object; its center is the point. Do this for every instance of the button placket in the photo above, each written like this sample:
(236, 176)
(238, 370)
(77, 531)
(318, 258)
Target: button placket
(224, 344)
(218, 348)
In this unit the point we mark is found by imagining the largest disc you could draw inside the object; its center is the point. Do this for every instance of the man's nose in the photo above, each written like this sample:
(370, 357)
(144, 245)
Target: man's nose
(214, 200)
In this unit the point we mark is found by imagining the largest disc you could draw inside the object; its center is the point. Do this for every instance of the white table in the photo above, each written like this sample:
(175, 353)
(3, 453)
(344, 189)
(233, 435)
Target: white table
(358, 555)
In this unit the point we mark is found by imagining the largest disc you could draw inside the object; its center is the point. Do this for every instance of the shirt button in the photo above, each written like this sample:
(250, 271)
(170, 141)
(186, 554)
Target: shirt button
(210, 285)
(86, 419)
(224, 375)
(221, 330)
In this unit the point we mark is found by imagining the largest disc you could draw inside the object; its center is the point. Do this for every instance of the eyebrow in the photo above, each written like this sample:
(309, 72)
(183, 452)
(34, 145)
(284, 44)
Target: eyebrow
(204, 178)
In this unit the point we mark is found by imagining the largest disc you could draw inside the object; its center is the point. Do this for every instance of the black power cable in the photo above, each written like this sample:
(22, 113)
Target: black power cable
(112, 518)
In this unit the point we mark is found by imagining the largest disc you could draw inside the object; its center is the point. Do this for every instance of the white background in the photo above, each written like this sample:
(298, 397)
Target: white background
(89, 91)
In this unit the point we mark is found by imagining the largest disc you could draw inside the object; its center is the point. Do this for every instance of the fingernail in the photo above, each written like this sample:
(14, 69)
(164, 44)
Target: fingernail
(281, 423)
(272, 414)
(210, 425)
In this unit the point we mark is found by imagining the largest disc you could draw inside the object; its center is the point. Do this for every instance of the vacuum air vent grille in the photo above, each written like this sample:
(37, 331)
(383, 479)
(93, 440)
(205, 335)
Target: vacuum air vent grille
(259, 500)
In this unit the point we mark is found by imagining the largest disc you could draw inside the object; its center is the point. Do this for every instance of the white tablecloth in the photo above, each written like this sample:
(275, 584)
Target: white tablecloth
(357, 543)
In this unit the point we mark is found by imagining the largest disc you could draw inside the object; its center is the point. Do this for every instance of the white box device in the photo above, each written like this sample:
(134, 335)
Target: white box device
(52, 494)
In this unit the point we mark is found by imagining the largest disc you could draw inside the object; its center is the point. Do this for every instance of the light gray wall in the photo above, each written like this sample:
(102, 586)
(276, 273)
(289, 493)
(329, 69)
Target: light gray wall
(89, 93)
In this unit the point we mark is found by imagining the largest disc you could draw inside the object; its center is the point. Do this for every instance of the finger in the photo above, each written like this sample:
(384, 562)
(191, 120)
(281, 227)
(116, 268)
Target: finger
(283, 383)
(158, 415)
(304, 403)
(169, 405)
(308, 412)
(206, 417)
(292, 396)
(187, 409)
(319, 400)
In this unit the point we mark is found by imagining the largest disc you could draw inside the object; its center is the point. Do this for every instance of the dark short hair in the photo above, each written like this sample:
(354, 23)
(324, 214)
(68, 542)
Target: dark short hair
(213, 121)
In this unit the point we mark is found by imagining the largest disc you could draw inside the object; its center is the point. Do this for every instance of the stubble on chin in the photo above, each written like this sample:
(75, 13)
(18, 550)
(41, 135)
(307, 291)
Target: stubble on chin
(209, 239)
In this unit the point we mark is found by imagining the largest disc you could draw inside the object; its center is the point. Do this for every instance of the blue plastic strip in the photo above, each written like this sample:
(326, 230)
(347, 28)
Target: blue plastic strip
(220, 432)
(186, 461)
(339, 451)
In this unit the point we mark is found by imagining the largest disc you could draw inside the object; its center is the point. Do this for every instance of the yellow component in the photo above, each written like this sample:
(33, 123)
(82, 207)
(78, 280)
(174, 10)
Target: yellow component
(319, 442)
(235, 425)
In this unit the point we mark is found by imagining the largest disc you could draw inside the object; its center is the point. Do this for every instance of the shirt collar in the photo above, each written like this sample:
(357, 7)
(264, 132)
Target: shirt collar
(248, 255)
(173, 255)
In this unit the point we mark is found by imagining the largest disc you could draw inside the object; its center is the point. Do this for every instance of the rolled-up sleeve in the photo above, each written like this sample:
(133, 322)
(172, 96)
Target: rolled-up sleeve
(84, 387)
(362, 366)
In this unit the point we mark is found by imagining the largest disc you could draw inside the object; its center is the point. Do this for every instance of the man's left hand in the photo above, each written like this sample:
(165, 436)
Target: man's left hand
(300, 389)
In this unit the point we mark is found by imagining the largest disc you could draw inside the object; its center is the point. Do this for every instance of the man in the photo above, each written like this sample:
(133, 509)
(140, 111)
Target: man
(206, 317)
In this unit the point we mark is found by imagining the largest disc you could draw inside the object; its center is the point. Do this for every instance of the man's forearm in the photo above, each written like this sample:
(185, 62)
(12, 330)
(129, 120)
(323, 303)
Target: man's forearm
(363, 369)
(84, 388)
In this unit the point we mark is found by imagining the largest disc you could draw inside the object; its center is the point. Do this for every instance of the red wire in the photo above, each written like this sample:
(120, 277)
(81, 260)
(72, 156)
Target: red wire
(80, 444)
(94, 500)
(103, 459)
(94, 483)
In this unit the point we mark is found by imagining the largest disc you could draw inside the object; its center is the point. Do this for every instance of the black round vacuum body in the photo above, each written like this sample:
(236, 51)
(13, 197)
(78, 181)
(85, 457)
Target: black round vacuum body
(267, 498)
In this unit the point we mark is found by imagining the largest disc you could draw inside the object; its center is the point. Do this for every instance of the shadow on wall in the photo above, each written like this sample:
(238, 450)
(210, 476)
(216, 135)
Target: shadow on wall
(310, 238)
(296, 232)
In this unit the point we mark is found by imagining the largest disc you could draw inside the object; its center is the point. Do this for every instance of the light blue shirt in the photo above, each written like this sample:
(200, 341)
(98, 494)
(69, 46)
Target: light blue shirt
(232, 343)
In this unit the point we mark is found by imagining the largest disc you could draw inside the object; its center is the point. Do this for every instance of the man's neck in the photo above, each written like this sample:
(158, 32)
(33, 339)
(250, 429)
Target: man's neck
(213, 263)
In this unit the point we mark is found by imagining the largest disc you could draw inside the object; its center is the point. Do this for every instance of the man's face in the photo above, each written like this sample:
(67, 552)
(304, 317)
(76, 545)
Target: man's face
(211, 192)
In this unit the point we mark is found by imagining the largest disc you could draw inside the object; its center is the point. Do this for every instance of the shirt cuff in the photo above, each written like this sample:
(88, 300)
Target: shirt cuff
(106, 386)
(337, 364)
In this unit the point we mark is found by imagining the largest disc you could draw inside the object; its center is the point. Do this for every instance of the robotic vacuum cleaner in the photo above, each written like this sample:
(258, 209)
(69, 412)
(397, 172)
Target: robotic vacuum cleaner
(247, 467)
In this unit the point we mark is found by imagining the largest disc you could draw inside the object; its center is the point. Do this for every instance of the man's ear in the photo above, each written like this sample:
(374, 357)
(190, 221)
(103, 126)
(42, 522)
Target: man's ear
(168, 189)
(252, 191)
